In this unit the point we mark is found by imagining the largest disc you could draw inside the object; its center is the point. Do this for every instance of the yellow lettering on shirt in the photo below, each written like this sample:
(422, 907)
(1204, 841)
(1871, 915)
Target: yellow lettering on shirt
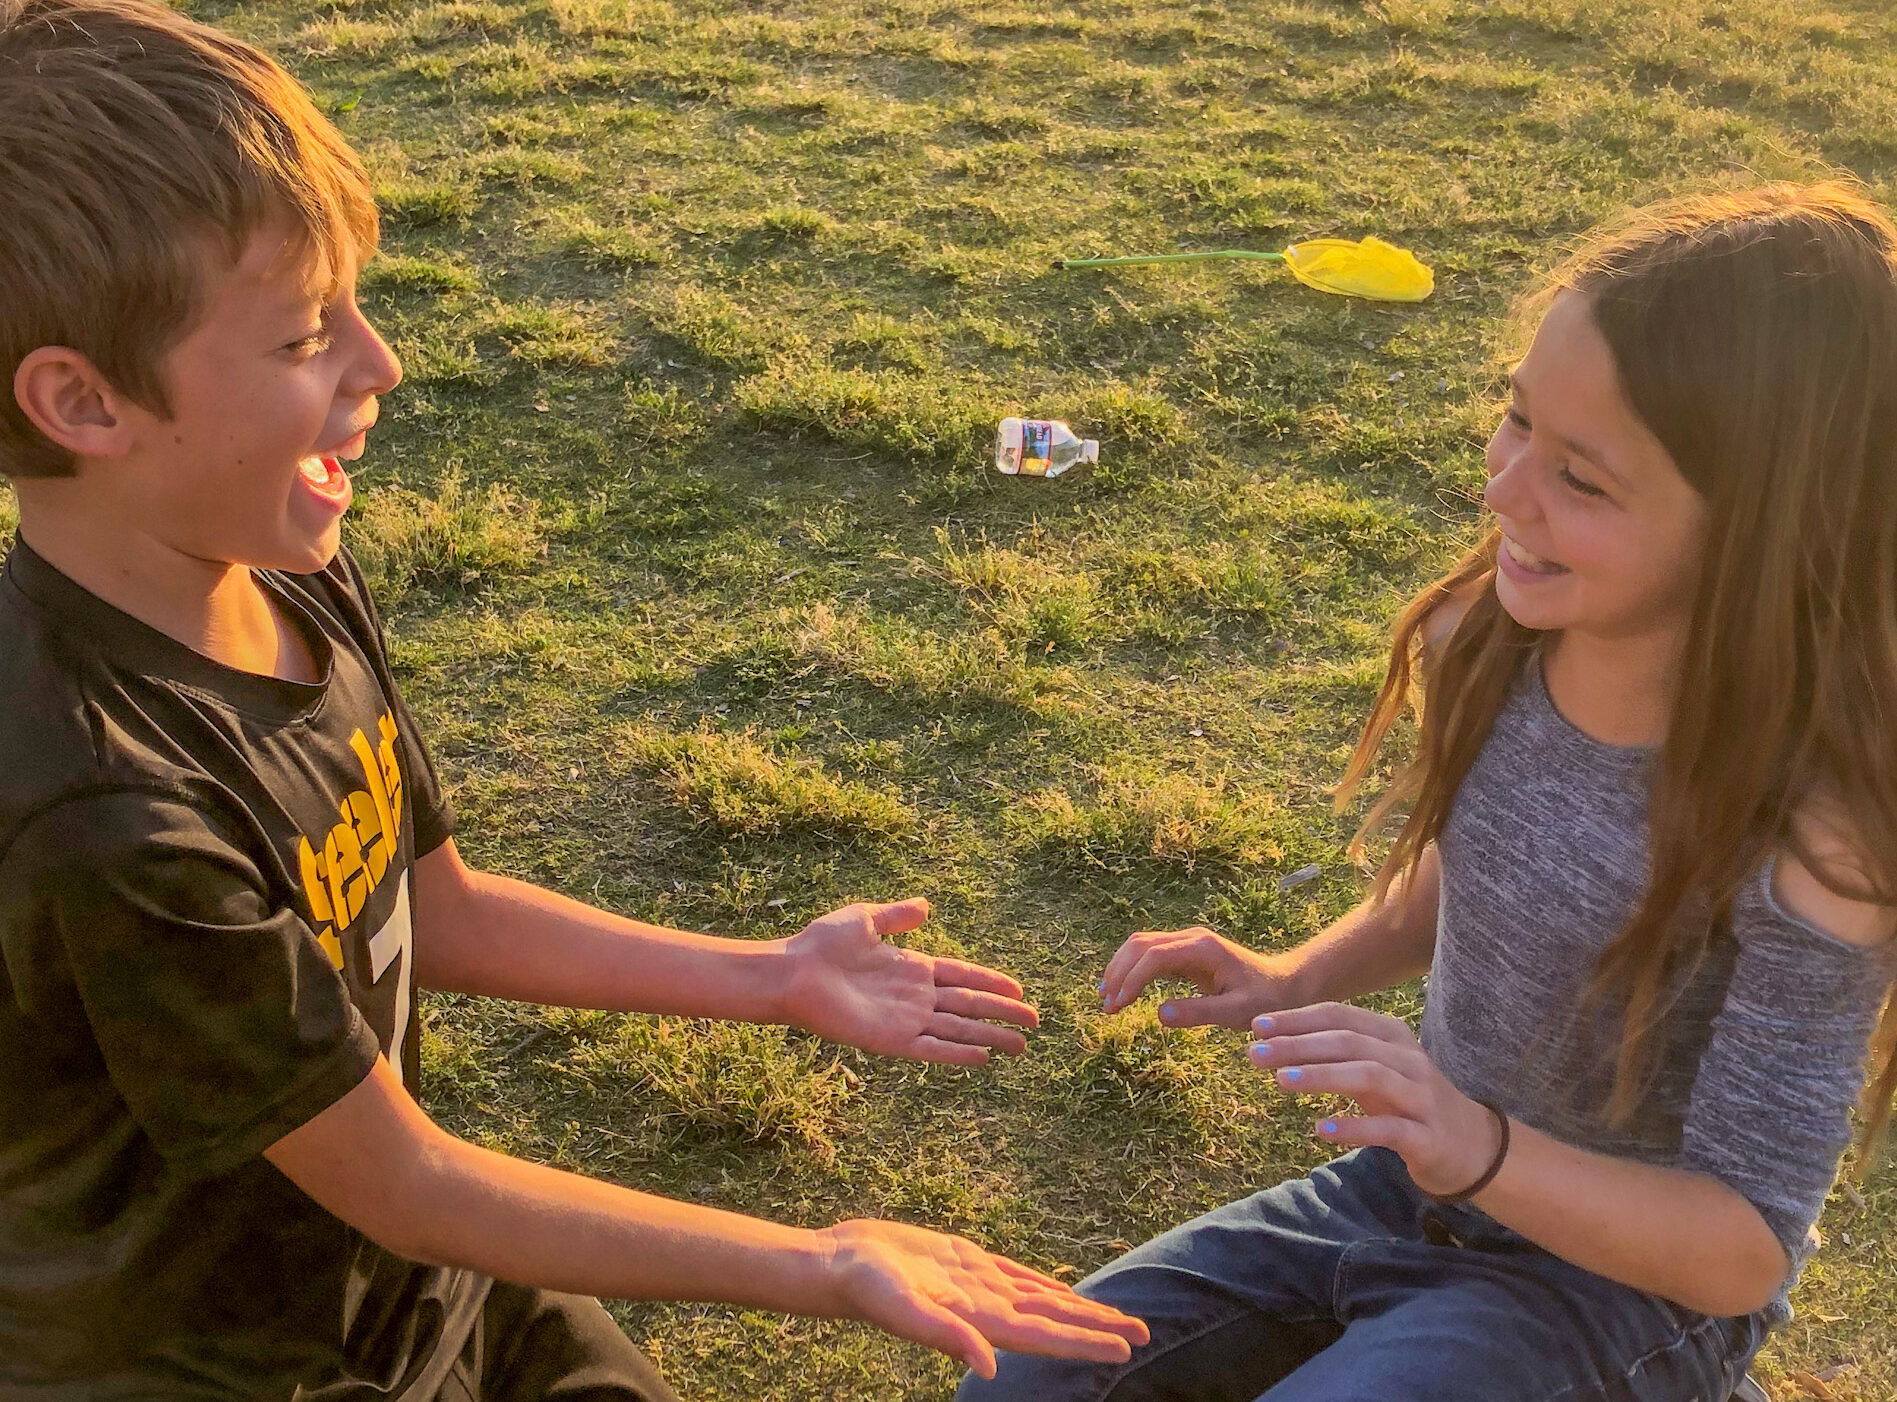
(341, 873)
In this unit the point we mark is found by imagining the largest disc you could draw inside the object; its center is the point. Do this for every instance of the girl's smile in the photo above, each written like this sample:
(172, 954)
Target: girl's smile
(1524, 566)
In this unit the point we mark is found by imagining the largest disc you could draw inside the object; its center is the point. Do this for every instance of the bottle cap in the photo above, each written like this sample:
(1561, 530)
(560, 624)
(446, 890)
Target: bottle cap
(1090, 450)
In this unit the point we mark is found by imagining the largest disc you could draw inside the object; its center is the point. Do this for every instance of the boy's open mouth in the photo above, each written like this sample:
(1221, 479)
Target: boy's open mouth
(325, 477)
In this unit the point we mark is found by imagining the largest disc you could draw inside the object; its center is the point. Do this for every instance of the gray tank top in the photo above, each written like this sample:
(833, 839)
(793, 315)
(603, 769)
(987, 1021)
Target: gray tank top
(1544, 858)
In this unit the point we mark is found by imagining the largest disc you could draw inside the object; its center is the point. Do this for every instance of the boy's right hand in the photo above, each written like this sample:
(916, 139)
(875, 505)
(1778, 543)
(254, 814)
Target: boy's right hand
(953, 1296)
(1235, 984)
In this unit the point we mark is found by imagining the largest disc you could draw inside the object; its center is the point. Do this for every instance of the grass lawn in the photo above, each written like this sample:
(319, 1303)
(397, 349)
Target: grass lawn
(695, 570)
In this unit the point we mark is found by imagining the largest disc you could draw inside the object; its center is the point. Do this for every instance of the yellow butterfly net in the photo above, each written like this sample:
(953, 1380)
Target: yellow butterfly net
(1368, 267)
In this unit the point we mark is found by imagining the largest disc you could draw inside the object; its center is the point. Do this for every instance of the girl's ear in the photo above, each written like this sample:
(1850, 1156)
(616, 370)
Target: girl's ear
(69, 401)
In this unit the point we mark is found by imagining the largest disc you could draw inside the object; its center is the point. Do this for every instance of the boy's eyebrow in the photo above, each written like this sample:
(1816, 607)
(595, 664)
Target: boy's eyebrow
(1580, 450)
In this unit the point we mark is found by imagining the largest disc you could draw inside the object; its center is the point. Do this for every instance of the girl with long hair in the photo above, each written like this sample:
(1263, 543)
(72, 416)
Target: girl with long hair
(1649, 863)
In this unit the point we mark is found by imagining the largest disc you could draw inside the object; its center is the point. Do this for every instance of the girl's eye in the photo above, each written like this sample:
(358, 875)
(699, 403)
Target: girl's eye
(1515, 418)
(312, 344)
(1586, 489)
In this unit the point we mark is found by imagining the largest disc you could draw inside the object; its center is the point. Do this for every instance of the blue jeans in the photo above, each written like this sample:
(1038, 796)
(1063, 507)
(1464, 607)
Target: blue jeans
(1351, 1286)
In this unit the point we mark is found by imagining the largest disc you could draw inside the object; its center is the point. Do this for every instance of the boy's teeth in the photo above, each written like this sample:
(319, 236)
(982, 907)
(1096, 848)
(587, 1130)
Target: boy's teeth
(315, 470)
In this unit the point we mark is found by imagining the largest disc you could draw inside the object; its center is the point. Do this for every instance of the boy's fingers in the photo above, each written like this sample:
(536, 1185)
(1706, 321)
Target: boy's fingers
(927, 1048)
(1320, 1017)
(950, 1028)
(1027, 1275)
(1022, 1331)
(959, 973)
(899, 917)
(947, 1332)
(992, 1006)
(1073, 1310)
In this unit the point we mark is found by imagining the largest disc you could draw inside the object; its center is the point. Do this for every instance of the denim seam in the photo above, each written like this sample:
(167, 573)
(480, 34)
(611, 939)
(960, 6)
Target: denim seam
(1130, 1368)
(1337, 1279)
(1627, 1373)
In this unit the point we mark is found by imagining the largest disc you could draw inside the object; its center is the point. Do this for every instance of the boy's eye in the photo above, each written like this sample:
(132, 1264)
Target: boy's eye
(1514, 417)
(313, 344)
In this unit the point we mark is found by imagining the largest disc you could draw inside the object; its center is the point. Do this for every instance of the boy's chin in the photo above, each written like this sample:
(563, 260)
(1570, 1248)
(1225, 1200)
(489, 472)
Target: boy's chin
(308, 555)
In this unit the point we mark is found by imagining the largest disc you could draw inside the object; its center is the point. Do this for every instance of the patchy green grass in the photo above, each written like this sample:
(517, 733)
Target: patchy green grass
(453, 538)
(698, 575)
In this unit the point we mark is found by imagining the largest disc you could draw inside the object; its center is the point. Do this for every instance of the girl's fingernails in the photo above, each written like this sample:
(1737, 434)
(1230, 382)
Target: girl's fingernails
(1293, 1074)
(1328, 1127)
(1263, 1024)
(1167, 1012)
(1259, 1051)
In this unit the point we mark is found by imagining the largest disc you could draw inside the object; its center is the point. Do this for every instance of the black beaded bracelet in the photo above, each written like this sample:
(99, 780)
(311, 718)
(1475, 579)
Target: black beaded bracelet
(1488, 1176)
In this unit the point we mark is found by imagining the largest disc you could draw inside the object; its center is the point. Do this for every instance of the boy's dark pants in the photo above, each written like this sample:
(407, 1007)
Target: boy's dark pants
(530, 1345)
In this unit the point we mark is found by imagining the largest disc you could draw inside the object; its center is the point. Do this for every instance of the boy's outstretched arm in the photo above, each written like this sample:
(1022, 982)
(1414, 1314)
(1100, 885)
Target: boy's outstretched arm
(476, 932)
(375, 1160)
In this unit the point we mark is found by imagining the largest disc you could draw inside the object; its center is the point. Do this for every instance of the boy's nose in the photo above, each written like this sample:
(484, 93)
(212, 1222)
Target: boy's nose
(382, 368)
(374, 368)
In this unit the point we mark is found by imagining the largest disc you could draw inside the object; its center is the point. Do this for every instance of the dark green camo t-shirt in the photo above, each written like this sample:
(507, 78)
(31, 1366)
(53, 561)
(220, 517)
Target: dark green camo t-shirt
(205, 907)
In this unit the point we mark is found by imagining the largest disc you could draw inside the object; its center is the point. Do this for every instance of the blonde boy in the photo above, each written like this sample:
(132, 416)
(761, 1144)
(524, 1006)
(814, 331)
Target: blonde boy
(226, 864)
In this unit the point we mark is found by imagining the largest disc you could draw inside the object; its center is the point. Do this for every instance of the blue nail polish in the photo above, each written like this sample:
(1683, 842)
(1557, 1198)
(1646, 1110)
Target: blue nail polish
(1329, 1126)
(1263, 1024)
(1167, 1012)
(1294, 1074)
(1103, 989)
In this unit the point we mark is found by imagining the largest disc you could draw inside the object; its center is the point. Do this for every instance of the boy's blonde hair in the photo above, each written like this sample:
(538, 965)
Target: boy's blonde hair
(135, 142)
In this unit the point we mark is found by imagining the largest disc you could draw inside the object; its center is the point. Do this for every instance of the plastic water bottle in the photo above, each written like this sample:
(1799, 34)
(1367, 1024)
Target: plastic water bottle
(1040, 448)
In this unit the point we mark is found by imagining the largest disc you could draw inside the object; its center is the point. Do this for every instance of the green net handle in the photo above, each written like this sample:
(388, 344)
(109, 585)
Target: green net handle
(1063, 263)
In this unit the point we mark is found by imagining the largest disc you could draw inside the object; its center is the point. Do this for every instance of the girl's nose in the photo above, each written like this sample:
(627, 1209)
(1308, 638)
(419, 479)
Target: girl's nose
(1508, 491)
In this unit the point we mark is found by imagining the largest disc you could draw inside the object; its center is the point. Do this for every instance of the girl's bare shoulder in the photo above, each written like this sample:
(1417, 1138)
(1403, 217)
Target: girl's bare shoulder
(1815, 872)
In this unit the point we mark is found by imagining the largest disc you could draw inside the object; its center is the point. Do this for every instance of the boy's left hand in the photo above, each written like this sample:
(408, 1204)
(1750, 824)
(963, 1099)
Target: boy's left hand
(1446, 1139)
(847, 986)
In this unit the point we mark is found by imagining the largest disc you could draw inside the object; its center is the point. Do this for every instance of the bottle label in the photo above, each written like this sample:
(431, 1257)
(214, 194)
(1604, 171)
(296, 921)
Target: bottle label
(1037, 447)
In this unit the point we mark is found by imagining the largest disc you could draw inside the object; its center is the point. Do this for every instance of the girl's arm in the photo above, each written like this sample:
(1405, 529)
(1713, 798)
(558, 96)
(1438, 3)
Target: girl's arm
(1682, 1235)
(376, 1161)
(1373, 947)
(476, 932)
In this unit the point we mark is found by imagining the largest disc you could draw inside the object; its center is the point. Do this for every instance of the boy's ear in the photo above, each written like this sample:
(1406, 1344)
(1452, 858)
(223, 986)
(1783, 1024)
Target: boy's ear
(69, 401)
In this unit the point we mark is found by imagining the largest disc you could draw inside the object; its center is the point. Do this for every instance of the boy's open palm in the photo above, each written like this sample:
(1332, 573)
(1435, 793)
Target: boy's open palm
(848, 985)
(952, 1295)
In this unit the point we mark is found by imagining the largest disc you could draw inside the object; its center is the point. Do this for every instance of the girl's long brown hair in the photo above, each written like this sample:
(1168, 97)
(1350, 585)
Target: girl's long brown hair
(1755, 333)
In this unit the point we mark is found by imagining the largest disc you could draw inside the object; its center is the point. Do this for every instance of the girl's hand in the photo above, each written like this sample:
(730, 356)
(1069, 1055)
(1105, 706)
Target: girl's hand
(846, 985)
(1446, 1139)
(953, 1296)
(1235, 984)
